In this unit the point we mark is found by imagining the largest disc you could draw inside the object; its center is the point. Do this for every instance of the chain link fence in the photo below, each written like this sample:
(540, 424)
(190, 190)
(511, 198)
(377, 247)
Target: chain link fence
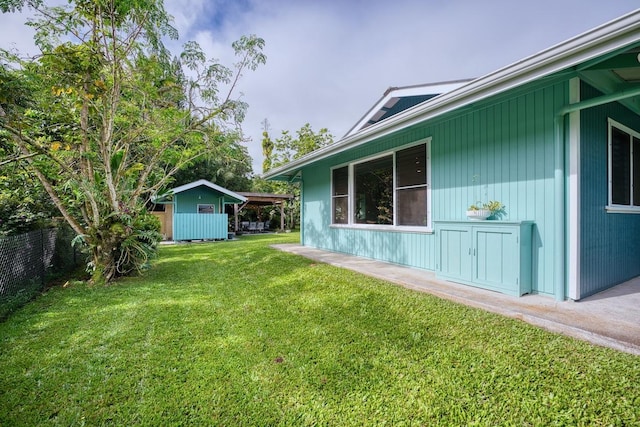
(29, 260)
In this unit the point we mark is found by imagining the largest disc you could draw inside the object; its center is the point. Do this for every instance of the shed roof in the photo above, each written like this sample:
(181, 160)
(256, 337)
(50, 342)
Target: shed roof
(606, 54)
(237, 198)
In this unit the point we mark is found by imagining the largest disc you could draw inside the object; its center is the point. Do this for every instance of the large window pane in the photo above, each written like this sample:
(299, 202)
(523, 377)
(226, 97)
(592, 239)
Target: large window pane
(411, 166)
(412, 206)
(620, 167)
(373, 182)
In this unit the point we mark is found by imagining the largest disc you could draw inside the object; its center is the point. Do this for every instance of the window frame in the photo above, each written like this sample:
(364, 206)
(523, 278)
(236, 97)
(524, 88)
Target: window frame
(611, 207)
(340, 196)
(428, 228)
(213, 207)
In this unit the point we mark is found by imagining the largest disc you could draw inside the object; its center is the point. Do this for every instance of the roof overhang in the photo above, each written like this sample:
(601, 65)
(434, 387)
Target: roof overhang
(589, 46)
(394, 94)
(230, 196)
(265, 199)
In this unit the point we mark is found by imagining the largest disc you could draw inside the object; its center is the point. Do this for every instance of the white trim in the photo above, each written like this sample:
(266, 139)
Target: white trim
(429, 199)
(573, 212)
(209, 184)
(601, 40)
(382, 227)
(611, 207)
(351, 190)
(623, 209)
(333, 197)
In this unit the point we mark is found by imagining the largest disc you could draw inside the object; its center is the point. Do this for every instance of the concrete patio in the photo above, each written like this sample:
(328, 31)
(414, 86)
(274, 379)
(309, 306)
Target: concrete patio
(610, 318)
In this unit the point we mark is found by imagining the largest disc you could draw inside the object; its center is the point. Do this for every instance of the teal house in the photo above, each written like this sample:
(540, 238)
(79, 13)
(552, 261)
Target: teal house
(555, 138)
(196, 211)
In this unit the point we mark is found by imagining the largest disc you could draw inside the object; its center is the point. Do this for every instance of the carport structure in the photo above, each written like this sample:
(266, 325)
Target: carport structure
(258, 201)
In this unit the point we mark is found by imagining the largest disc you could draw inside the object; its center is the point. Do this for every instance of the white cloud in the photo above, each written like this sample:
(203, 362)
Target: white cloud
(329, 61)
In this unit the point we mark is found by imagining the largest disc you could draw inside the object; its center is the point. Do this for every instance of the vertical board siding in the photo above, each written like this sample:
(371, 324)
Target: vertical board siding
(190, 226)
(501, 150)
(188, 201)
(610, 248)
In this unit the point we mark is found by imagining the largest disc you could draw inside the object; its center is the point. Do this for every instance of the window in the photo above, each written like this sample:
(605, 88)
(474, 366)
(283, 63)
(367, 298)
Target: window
(340, 196)
(206, 209)
(624, 167)
(373, 185)
(411, 185)
(388, 190)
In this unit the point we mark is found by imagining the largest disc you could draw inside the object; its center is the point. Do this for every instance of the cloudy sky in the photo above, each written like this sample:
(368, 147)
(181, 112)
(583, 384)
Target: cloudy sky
(329, 61)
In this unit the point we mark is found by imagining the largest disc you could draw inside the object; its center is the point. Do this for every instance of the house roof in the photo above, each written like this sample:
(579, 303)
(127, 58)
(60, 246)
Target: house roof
(397, 99)
(203, 182)
(606, 55)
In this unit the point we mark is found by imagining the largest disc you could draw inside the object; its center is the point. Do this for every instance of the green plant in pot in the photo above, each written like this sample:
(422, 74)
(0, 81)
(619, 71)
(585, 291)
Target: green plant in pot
(480, 211)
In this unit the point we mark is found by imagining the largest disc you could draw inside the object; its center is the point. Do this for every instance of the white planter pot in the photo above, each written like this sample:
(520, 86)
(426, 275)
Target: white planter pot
(479, 215)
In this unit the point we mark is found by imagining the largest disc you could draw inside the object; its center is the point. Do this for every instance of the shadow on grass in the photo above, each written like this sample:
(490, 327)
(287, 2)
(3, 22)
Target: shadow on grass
(236, 333)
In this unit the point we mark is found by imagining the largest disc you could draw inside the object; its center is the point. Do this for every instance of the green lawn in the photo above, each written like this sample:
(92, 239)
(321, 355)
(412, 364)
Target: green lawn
(236, 333)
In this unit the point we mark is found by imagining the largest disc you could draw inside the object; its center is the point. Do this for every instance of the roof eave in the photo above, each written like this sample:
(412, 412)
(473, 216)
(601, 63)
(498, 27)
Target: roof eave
(210, 185)
(593, 43)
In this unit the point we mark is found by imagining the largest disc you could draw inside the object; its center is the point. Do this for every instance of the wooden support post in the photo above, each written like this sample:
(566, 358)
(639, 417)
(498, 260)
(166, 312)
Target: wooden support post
(281, 216)
(235, 216)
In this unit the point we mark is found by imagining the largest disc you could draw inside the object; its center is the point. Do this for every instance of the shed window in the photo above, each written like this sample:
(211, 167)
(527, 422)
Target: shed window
(389, 190)
(206, 209)
(624, 167)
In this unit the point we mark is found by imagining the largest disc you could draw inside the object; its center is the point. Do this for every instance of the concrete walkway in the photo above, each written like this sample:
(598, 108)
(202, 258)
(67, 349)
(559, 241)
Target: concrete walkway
(610, 318)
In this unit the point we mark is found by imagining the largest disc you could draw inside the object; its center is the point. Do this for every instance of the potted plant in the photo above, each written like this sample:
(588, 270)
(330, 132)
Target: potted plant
(481, 211)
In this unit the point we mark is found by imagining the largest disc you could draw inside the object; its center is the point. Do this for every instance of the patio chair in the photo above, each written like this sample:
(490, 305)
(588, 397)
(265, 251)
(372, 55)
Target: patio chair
(244, 226)
(260, 227)
(252, 227)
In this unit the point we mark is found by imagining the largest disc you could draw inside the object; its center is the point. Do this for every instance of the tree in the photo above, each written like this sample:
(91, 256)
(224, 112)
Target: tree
(284, 150)
(230, 167)
(267, 146)
(287, 148)
(104, 117)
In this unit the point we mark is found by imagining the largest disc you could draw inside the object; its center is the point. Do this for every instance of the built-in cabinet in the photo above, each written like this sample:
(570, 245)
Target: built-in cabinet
(493, 255)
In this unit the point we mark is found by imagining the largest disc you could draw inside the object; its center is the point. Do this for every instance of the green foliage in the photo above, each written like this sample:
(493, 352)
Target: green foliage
(292, 342)
(287, 148)
(267, 149)
(284, 150)
(24, 205)
(104, 117)
(496, 208)
(228, 166)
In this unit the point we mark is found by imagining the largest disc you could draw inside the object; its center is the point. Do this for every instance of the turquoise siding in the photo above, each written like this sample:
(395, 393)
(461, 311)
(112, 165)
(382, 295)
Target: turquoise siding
(610, 246)
(188, 224)
(188, 201)
(193, 226)
(501, 150)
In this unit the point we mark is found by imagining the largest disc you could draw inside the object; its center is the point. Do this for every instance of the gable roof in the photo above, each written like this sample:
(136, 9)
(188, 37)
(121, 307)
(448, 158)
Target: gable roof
(211, 185)
(397, 99)
(585, 52)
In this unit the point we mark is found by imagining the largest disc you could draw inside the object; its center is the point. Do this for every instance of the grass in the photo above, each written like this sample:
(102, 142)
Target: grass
(236, 333)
